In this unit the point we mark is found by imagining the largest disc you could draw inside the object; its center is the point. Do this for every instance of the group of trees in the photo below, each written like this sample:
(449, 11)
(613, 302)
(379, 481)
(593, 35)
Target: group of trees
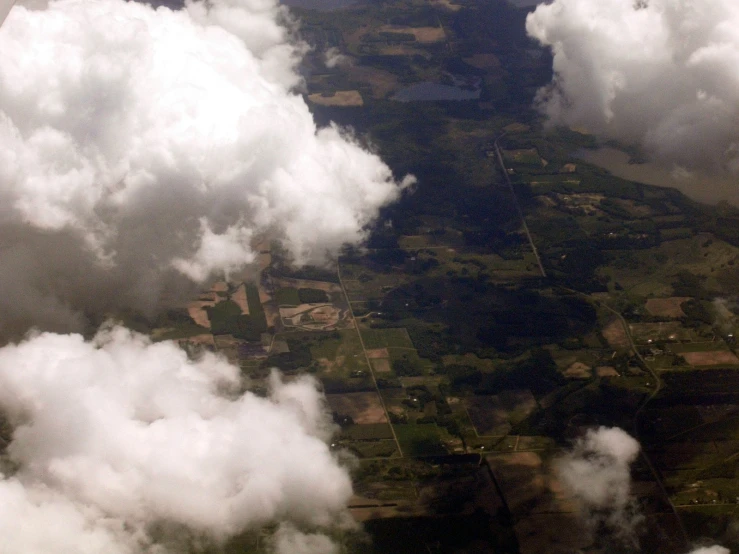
(537, 372)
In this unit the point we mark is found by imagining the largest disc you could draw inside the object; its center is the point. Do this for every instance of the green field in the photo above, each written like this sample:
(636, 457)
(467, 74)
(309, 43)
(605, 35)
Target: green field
(374, 449)
(287, 296)
(420, 440)
(382, 338)
(372, 431)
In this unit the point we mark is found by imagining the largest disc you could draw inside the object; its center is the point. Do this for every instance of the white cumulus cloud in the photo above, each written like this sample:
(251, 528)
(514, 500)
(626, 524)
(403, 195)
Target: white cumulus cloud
(116, 434)
(148, 142)
(597, 472)
(660, 73)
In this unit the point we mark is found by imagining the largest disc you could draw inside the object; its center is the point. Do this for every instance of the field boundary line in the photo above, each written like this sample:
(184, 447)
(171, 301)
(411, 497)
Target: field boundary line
(367, 359)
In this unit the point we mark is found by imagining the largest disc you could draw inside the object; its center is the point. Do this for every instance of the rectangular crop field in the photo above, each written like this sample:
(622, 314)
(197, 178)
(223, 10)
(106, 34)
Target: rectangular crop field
(713, 358)
(384, 448)
(372, 431)
(420, 440)
(381, 338)
(287, 296)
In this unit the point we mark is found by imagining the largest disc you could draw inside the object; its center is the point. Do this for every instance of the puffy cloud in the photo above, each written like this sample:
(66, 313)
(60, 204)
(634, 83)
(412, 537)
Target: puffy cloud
(149, 142)
(661, 73)
(116, 434)
(711, 550)
(289, 540)
(334, 58)
(597, 472)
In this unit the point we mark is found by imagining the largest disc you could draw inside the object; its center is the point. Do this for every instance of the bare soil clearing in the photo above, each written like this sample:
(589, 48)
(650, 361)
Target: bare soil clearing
(378, 353)
(710, 358)
(341, 98)
(239, 297)
(666, 307)
(362, 407)
(615, 334)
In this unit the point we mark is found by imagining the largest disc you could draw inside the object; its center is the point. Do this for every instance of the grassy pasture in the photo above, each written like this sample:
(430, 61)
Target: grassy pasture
(380, 338)
(384, 448)
(340, 357)
(652, 270)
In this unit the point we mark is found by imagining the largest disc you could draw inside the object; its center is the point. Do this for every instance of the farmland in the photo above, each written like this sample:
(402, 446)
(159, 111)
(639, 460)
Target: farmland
(454, 371)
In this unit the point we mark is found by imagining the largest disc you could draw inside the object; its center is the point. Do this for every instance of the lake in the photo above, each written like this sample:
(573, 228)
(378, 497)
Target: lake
(700, 186)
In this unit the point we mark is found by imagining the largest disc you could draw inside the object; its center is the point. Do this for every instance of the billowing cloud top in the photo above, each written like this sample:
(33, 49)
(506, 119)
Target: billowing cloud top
(118, 433)
(164, 139)
(663, 73)
(597, 472)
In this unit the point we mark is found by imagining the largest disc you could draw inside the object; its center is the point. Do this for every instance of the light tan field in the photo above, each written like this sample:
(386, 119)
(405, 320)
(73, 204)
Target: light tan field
(615, 334)
(402, 50)
(341, 98)
(724, 357)
(606, 371)
(329, 366)
(530, 485)
(264, 294)
(642, 333)
(666, 307)
(271, 313)
(362, 407)
(423, 34)
(239, 297)
(378, 353)
(381, 365)
(197, 312)
(382, 82)
(578, 370)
